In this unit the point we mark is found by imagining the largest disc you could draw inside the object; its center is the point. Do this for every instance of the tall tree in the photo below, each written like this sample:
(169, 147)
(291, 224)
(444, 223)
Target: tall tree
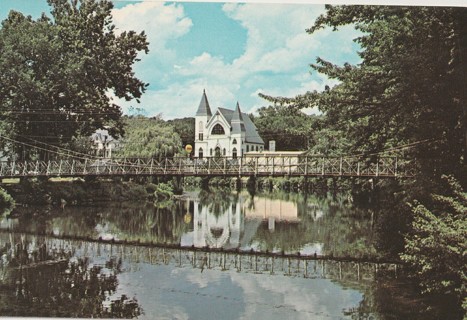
(409, 87)
(149, 138)
(290, 128)
(185, 128)
(56, 74)
(410, 90)
(437, 245)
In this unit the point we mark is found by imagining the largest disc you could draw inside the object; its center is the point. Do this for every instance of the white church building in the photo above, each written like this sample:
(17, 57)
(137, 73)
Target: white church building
(226, 133)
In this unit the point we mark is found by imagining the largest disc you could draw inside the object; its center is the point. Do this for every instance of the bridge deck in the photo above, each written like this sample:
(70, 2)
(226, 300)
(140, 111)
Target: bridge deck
(309, 166)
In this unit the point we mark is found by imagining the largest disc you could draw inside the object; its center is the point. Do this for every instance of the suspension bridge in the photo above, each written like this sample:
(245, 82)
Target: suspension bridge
(256, 166)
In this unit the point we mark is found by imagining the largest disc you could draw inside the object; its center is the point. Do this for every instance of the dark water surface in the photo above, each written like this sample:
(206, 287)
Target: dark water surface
(49, 276)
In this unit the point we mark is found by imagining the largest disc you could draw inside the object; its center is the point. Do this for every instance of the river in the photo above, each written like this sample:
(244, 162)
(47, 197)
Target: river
(216, 254)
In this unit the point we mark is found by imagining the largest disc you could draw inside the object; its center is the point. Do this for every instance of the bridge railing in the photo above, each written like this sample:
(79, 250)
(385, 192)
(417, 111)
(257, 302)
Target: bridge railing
(222, 166)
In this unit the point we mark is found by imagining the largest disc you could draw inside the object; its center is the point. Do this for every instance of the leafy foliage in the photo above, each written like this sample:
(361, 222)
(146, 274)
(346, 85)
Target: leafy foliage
(408, 88)
(49, 282)
(6, 200)
(291, 129)
(185, 128)
(437, 244)
(149, 138)
(407, 96)
(57, 73)
(330, 142)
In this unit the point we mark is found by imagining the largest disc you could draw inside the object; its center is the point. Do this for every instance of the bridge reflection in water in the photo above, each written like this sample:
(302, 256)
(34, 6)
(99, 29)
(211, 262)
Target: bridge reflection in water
(47, 276)
(183, 257)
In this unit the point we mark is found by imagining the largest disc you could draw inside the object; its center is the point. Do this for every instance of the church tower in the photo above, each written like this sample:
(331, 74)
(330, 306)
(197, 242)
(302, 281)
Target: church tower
(201, 119)
(238, 133)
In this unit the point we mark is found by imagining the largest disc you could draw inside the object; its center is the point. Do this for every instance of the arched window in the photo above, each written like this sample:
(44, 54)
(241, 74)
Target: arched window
(200, 153)
(223, 152)
(217, 152)
(218, 129)
(256, 148)
(210, 152)
(234, 153)
(247, 148)
(234, 141)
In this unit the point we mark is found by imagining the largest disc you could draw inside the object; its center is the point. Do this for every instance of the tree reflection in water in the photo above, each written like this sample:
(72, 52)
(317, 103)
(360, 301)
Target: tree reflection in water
(51, 282)
(217, 200)
(325, 224)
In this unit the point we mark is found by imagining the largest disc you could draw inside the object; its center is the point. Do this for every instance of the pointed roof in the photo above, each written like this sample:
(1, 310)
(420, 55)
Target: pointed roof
(237, 120)
(237, 115)
(251, 133)
(204, 109)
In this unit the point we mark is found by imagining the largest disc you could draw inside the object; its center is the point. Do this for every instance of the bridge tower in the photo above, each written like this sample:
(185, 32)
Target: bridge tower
(201, 119)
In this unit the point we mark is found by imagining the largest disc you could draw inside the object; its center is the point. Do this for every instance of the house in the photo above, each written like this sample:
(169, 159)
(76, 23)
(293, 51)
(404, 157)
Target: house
(226, 133)
(103, 143)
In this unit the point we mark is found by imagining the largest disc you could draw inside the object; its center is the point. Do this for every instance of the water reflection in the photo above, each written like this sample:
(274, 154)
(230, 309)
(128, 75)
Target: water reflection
(39, 279)
(90, 279)
(272, 222)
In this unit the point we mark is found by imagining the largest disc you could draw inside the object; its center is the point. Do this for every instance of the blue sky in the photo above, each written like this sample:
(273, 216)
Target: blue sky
(232, 50)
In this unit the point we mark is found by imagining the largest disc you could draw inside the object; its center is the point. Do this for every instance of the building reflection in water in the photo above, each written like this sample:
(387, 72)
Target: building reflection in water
(235, 224)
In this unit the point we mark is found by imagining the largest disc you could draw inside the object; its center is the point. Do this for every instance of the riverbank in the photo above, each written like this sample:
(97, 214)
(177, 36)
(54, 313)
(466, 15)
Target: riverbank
(80, 191)
(66, 192)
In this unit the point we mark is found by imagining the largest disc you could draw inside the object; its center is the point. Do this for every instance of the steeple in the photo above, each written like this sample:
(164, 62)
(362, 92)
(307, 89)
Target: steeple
(204, 109)
(237, 120)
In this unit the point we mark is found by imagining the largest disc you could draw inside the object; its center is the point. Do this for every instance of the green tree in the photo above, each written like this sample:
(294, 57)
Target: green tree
(408, 94)
(437, 245)
(56, 74)
(290, 128)
(149, 138)
(329, 141)
(409, 88)
(185, 128)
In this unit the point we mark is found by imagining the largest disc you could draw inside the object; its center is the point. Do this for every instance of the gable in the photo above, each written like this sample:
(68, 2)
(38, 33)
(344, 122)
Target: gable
(251, 132)
(218, 117)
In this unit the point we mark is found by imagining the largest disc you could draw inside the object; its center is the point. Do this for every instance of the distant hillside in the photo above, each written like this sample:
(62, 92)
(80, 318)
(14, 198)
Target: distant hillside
(185, 127)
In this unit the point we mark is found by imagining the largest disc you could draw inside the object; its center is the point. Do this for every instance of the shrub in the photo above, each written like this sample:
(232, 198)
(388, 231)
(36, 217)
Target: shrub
(6, 200)
(163, 191)
(436, 246)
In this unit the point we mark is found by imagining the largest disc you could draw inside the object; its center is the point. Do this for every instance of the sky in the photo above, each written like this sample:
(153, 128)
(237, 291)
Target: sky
(232, 50)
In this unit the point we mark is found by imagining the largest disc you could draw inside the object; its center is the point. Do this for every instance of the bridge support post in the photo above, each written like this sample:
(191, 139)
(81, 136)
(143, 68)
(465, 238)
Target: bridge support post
(322, 168)
(178, 184)
(305, 183)
(395, 167)
(251, 183)
(238, 183)
(13, 168)
(205, 182)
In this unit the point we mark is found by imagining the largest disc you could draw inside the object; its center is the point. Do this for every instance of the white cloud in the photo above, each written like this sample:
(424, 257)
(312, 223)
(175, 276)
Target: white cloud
(182, 99)
(277, 40)
(161, 22)
(276, 58)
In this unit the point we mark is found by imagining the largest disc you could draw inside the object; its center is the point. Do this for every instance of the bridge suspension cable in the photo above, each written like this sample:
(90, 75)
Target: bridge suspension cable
(405, 146)
(47, 150)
